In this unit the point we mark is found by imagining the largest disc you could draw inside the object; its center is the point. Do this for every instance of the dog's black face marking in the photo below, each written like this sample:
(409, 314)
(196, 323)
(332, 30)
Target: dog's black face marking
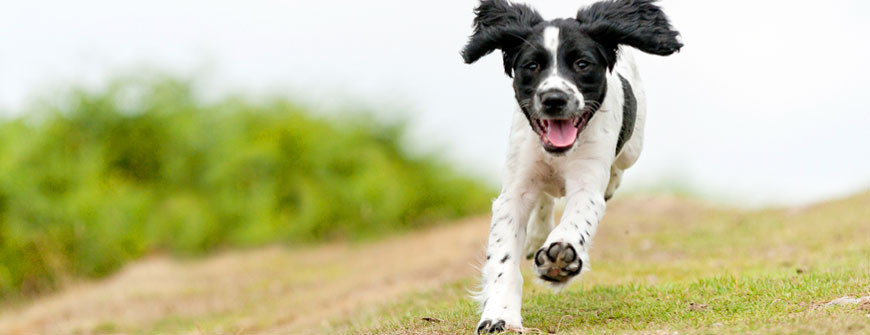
(560, 67)
(560, 80)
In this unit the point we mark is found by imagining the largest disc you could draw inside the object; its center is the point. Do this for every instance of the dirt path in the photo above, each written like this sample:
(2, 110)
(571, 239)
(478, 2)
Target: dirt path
(278, 291)
(266, 291)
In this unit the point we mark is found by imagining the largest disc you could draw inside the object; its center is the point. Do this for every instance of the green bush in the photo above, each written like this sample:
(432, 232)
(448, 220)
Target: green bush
(144, 166)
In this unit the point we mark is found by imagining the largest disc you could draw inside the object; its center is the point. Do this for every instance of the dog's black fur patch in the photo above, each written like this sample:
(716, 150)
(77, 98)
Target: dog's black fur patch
(637, 23)
(500, 25)
(629, 114)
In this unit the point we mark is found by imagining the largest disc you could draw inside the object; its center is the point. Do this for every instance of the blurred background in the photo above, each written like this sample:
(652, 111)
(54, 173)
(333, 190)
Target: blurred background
(131, 128)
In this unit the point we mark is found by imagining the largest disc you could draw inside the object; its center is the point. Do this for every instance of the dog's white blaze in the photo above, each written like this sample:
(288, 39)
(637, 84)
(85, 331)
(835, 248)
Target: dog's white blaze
(551, 43)
(554, 81)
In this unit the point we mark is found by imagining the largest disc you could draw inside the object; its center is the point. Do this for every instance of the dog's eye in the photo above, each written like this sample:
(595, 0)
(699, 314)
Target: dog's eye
(532, 66)
(581, 64)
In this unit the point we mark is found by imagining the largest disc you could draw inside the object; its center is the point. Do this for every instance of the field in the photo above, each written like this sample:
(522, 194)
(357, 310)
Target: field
(660, 265)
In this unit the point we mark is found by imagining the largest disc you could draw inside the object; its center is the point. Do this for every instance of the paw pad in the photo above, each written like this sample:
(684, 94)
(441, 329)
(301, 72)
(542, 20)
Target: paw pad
(488, 326)
(558, 263)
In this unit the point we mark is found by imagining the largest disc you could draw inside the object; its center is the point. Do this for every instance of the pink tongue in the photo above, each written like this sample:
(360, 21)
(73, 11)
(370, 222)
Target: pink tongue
(561, 133)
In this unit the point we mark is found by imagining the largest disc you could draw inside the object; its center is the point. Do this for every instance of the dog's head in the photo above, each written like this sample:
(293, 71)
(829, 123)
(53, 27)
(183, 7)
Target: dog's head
(560, 67)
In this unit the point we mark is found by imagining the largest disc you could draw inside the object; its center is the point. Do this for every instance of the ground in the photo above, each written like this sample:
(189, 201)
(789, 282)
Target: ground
(660, 265)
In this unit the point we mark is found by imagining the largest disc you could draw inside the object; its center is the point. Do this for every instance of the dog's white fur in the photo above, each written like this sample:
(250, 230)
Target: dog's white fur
(522, 220)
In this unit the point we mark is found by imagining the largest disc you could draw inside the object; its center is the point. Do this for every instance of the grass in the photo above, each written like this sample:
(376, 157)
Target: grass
(712, 304)
(660, 265)
(672, 266)
(98, 179)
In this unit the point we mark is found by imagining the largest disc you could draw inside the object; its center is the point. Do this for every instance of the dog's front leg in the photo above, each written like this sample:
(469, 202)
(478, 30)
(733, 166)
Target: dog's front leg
(502, 291)
(566, 251)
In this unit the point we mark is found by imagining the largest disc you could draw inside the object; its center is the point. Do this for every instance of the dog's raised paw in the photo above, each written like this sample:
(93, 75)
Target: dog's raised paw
(490, 326)
(558, 262)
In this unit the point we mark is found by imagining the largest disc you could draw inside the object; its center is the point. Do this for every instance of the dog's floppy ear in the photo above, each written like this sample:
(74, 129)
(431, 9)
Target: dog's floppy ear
(500, 25)
(637, 23)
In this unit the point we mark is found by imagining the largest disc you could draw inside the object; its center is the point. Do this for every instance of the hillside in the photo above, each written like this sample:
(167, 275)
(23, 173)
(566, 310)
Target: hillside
(659, 264)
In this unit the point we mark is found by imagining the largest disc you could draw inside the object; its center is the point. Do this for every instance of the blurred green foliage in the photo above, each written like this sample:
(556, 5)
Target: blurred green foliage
(144, 166)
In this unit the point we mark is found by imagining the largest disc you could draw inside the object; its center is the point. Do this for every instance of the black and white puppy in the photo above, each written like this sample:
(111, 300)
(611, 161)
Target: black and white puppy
(578, 126)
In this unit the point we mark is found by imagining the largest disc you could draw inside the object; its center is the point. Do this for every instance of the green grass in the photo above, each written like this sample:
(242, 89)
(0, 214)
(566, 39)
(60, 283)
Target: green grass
(664, 267)
(744, 303)
(101, 178)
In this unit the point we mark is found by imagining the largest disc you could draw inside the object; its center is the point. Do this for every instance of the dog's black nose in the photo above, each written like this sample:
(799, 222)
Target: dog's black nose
(554, 99)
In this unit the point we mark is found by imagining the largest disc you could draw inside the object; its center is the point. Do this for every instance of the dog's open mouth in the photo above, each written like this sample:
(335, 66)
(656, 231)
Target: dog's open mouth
(559, 135)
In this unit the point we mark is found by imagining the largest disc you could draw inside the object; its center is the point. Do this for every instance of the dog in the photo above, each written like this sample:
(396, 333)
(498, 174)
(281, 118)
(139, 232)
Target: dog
(579, 124)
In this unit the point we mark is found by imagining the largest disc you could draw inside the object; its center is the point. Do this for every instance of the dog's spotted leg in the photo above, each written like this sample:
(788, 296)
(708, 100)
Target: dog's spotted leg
(566, 250)
(501, 295)
(615, 181)
(540, 225)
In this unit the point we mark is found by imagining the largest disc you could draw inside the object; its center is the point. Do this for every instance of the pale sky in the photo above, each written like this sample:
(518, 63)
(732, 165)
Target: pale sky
(766, 104)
